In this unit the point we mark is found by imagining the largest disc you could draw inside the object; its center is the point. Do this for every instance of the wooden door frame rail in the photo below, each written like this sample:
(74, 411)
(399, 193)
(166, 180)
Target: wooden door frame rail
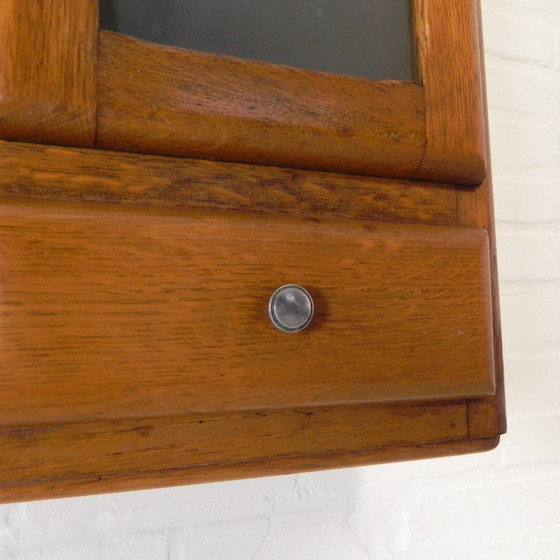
(64, 81)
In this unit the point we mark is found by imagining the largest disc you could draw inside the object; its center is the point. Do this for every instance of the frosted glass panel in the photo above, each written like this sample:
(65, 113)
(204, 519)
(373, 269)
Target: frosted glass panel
(368, 38)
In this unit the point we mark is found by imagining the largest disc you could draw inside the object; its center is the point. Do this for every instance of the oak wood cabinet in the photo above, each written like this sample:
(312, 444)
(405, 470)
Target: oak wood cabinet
(153, 198)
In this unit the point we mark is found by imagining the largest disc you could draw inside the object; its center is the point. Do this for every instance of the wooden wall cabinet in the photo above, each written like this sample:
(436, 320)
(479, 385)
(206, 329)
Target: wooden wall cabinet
(152, 199)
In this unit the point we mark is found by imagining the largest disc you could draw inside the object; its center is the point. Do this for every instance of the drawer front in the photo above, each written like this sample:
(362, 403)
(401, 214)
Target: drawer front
(126, 313)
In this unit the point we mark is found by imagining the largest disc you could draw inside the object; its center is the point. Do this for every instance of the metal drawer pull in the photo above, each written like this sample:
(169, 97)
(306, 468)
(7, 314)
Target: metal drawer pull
(291, 308)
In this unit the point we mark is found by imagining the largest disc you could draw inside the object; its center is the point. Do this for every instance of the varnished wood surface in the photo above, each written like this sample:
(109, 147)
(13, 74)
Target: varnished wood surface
(164, 100)
(102, 448)
(394, 129)
(487, 416)
(449, 62)
(476, 209)
(169, 101)
(54, 460)
(113, 314)
(52, 173)
(47, 71)
(70, 484)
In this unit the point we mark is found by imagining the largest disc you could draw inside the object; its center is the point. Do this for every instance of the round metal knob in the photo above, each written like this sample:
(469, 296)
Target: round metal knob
(291, 308)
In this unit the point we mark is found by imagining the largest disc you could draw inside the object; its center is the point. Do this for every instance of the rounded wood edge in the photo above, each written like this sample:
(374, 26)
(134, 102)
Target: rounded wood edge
(168, 101)
(45, 122)
(156, 109)
(274, 466)
(461, 167)
(449, 66)
(72, 175)
(475, 209)
(48, 53)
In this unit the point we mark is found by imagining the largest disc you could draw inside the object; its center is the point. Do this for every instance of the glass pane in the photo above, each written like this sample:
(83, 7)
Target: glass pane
(368, 38)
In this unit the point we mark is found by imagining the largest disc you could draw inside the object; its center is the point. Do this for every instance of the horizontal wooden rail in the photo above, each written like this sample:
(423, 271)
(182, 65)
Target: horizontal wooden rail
(164, 100)
(49, 173)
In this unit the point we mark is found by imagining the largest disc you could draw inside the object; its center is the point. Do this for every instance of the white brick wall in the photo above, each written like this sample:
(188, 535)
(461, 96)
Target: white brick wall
(503, 505)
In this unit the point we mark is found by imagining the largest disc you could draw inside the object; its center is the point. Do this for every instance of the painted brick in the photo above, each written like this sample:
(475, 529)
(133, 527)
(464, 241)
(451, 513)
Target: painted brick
(514, 37)
(527, 199)
(465, 513)
(168, 508)
(123, 547)
(237, 540)
(523, 90)
(533, 385)
(523, 144)
(531, 322)
(518, 545)
(313, 535)
(529, 254)
(532, 8)
(533, 441)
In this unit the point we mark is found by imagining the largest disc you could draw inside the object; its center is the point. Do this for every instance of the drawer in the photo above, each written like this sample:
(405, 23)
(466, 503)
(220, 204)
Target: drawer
(112, 313)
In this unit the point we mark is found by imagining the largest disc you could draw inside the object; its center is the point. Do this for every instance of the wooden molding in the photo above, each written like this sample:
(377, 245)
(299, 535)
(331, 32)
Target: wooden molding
(476, 209)
(448, 47)
(47, 71)
(51, 173)
(69, 460)
(171, 101)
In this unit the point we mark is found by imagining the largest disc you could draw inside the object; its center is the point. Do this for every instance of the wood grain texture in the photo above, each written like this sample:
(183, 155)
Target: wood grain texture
(164, 100)
(47, 71)
(113, 314)
(104, 447)
(487, 417)
(40, 172)
(168, 101)
(449, 63)
(71, 484)
(209, 107)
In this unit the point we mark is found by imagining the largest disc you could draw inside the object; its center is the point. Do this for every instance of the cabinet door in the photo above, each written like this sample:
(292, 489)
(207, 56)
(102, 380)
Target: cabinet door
(65, 81)
(154, 198)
